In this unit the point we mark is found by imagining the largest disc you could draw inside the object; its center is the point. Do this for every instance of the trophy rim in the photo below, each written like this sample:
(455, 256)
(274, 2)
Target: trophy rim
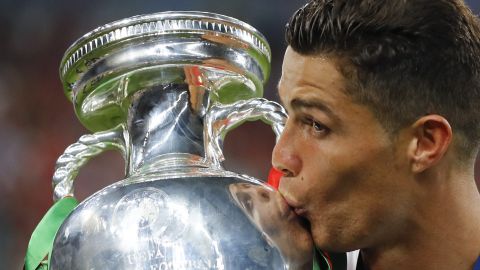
(160, 23)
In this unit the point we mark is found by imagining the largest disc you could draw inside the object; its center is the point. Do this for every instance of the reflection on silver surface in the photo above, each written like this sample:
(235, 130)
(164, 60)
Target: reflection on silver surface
(166, 120)
(268, 211)
(104, 68)
(166, 99)
(222, 118)
(198, 226)
(79, 153)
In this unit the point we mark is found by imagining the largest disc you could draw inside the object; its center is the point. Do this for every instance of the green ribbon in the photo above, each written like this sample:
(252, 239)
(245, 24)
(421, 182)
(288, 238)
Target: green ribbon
(320, 262)
(315, 262)
(41, 242)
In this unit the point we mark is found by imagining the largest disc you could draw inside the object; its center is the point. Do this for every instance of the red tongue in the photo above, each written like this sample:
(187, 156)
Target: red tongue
(274, 177)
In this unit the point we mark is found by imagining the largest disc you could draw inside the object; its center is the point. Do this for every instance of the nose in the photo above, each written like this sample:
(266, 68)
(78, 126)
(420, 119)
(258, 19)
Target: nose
(285, 157)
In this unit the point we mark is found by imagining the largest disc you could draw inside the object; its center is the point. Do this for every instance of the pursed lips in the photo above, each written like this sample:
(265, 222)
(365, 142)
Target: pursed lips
(295, 206)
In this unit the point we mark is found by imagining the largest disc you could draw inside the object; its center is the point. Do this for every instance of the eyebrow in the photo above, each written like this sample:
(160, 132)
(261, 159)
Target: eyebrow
(298, 104)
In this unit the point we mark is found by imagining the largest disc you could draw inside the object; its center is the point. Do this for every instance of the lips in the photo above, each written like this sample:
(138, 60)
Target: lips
(300, 211)
(295, 206)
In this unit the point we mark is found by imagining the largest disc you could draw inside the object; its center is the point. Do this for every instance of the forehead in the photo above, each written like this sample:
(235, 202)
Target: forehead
(311, 76)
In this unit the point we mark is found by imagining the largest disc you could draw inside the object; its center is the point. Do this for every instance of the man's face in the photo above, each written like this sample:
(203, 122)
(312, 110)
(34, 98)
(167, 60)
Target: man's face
(344, 173)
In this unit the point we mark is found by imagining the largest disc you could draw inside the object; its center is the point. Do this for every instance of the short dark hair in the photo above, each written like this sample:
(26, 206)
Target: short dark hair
(402, 58)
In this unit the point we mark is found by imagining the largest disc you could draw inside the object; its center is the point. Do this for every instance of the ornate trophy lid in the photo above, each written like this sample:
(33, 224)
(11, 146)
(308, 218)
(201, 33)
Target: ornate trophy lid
(109, 64)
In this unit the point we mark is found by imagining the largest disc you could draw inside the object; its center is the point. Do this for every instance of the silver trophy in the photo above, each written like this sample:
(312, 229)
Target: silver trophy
(164, 89)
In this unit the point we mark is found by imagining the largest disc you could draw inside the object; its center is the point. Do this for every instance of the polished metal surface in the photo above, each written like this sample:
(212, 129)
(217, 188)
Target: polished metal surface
(177, 208)
(183, 223)
(104, 68)
(222, 118)
(79, 153)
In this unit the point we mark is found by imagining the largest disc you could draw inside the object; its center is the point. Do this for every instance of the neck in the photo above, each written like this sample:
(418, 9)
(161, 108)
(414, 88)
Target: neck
(166, 123)
(444, 232)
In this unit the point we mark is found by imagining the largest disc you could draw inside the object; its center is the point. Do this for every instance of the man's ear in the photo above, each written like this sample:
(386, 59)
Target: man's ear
(431, 138)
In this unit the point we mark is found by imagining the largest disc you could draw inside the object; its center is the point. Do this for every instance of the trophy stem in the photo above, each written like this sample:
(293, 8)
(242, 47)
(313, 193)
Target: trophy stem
(166, 121)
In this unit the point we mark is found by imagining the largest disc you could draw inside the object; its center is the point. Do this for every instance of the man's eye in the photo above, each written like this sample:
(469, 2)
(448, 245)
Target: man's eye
(317, 127)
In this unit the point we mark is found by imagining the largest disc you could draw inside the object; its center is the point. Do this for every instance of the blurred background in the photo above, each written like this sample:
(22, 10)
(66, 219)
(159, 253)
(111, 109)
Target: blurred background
(38, 123)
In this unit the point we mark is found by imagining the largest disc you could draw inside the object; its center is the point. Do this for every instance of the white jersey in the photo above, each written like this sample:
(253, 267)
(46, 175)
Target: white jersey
(352, 259)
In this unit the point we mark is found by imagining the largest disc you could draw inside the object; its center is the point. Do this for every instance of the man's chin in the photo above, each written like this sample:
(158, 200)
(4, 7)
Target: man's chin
(331, 242)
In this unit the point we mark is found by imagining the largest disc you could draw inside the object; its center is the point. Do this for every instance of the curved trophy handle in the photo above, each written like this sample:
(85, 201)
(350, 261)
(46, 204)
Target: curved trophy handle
(222, 118)
(78, 154)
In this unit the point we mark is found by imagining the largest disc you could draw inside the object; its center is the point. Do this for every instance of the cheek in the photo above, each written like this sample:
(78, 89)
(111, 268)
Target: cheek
(362, 196)
(351, 176)
(326, 177)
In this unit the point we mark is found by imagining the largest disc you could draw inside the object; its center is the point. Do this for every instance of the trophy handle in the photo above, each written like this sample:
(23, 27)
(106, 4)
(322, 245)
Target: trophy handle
(78, 154)
(223, 118)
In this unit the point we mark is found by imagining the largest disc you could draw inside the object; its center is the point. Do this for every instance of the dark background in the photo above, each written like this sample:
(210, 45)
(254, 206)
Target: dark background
(38, 123)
